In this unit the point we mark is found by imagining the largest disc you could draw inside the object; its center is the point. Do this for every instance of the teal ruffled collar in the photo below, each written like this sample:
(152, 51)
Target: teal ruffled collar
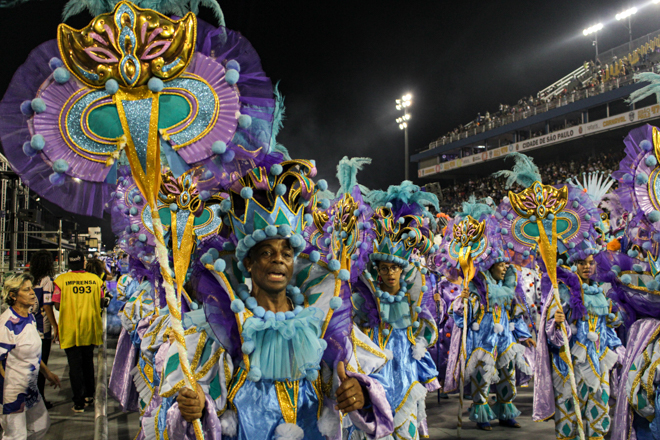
(500, 293)
(289, 349)
(593, 298)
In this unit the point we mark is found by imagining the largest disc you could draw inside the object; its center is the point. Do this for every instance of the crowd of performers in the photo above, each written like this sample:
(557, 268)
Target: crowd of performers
(260, 305)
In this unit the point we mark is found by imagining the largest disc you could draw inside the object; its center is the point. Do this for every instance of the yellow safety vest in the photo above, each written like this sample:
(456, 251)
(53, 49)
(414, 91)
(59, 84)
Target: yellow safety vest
(80, 309)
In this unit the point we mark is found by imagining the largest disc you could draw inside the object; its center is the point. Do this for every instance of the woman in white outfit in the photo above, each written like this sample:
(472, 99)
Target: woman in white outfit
(24, 415)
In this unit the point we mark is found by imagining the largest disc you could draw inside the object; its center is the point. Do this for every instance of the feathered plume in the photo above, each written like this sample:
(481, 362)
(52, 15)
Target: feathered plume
(399, 195)
(524, 171)
(347, 170)
(278, 115)
(653, 88)
(166, 7)
(11, 3)
(596, 184)
(475, 209)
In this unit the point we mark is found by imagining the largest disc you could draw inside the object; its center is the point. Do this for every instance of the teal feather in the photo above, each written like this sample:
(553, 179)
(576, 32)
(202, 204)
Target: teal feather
(524, 172)
(327, 194)
(165, 7)
(278, 114)
(347, 170)
(653, 88)
(475, 209)
(405, 194)
(11, 3)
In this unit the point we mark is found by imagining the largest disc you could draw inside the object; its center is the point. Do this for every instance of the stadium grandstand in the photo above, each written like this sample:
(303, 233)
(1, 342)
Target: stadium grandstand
(576, 124)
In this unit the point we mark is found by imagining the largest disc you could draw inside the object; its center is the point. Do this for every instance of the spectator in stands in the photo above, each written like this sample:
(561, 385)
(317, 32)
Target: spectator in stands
(79, 296)
(43, 271)
(23, 409)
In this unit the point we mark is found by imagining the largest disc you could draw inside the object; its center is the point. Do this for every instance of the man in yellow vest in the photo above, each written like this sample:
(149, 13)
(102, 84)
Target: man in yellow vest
(79, 297)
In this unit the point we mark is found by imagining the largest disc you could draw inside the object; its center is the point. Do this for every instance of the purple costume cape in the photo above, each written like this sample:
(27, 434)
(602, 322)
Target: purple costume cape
(121, 386)
(640, 335)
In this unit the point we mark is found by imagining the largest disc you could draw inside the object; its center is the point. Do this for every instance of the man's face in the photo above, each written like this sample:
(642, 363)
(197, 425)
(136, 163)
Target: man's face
(390, 273)
(498, 270)
(585, 268)
(270, 264)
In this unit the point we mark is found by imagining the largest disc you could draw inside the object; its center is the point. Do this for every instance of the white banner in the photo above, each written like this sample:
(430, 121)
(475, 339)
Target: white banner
(556, 137)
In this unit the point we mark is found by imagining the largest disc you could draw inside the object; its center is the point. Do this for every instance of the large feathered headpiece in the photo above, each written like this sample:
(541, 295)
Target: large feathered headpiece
(524, 171)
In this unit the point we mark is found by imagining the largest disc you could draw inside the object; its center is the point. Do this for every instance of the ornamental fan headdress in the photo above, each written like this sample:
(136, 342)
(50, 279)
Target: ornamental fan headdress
(402, 222)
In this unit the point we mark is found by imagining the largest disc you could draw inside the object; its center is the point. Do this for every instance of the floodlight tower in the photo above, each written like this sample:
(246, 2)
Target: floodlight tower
(403, 104)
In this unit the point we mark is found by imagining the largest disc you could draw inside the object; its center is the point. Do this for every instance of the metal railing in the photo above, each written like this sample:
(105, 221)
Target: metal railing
(101, 394)
(538, 109)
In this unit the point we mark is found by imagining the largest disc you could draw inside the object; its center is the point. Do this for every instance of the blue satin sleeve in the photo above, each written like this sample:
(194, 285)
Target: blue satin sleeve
(613, 340)
(426, 369)
(655, 424)
(521, 331)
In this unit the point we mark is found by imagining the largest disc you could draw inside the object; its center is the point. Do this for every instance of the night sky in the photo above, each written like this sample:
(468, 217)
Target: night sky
(343, 64)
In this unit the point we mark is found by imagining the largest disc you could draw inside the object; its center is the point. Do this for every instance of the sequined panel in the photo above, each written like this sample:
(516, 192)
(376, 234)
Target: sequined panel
(75, 133)
(205, 103)
(138, 117)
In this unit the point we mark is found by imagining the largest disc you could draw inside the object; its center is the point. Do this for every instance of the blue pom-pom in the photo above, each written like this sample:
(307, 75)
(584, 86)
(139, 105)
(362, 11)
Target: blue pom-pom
(576, 203)
(111, 86)
(335, 302)
(509, 216)
(284, 230)
(638, 268)
(344, 275)
(309, 219)
(228, 156)
(38, 105)
(135, 228)
(270, 230)
(616, 269)
(155, 85)
(276, 169)
(587, 216)
(142, 238)
(55, 63)
(388, 205)
(237, 306)
(37, 142)
(137, 200)
(61, 75)
(647, 245)
(298, 298)
(641, 178)
(233, 64)
(244, 121)
(219, 265)
(571, 245)
(573, 268)
(206, 259)
(280, 316)
(312, 375)
(280, 189)
(651, 161)
(325, 204)
(60, 166)
(28, 150)
(322, 184)
(334, 265)
(251, 303)
(415, 324)
(259, 311)
(259, 235)
(26, 108)
(314, 256)
(228, 246)
(249, 242)
(654, 216)
(232, 76)
(247, 193)
(626, 279)
(646, 145)
(56, 179)
(269, 315)
(254, 374)
(585, 234)
(296, 241)
(218, 147)
(401, 220)
(247, 347)
(133, 211)
(225, 205)
(509, 245)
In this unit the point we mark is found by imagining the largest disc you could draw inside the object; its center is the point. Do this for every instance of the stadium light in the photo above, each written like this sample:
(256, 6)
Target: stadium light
(594, 30)
(403, 104)
(628, 13)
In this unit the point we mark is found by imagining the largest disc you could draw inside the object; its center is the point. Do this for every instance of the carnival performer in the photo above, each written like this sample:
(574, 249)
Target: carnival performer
(587, 316)
(496, 330)
(288, 334)
(392, 302)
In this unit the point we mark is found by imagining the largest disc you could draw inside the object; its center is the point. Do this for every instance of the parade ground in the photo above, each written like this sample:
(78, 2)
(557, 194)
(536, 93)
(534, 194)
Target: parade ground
(124, 426)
